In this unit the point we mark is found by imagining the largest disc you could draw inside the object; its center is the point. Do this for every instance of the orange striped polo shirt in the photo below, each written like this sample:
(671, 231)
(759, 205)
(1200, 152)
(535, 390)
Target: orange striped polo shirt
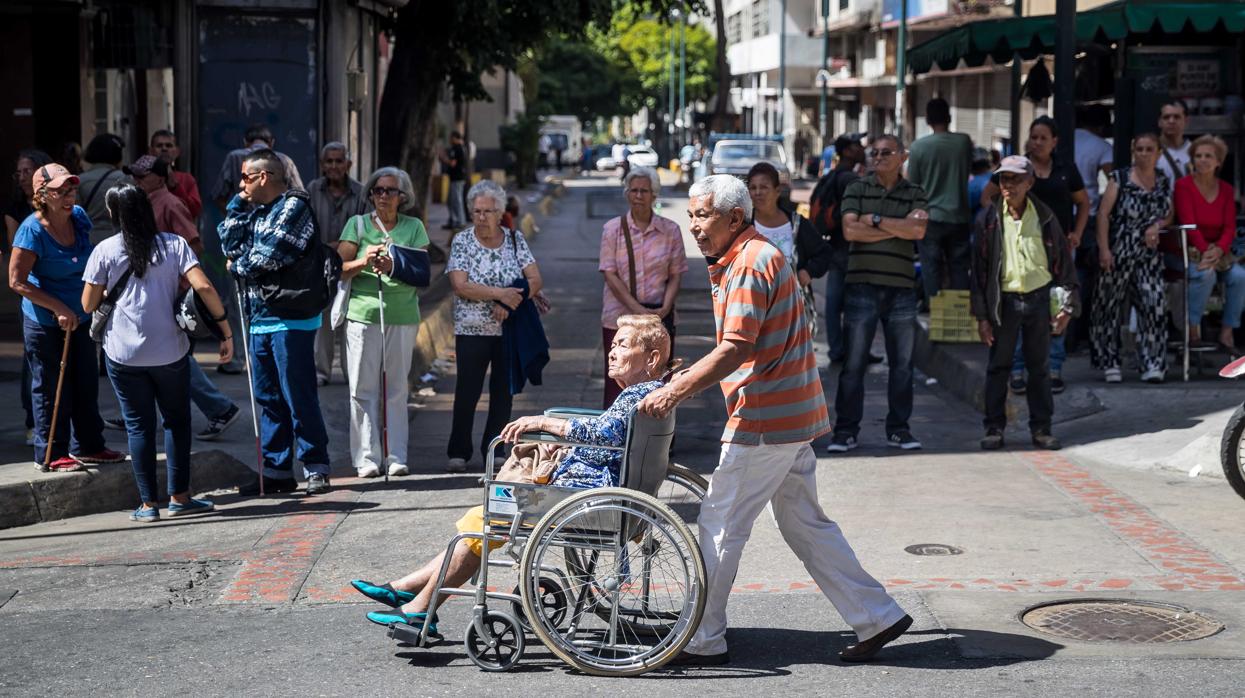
(775, 397)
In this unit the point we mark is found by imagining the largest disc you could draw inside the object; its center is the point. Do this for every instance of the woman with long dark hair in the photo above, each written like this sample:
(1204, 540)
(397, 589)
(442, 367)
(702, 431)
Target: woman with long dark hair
(145, 350)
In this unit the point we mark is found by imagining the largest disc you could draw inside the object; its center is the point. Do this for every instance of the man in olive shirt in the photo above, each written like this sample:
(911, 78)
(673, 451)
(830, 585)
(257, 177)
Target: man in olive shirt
(883, 215)
(940, 164)
(1020, 255)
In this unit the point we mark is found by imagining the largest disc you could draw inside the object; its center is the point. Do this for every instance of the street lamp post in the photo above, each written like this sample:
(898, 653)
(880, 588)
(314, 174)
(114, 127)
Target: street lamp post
(682, 76)
(823, 82)
(782, 66)
(670, 91)
(901, 68)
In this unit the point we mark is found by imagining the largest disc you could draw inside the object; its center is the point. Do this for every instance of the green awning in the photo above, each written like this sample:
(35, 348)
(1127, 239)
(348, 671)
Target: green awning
(1030, 37)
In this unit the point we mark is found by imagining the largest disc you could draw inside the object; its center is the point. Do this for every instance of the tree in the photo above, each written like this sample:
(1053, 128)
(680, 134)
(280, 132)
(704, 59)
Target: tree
(574, 77)
(440, 43)
(640, 47)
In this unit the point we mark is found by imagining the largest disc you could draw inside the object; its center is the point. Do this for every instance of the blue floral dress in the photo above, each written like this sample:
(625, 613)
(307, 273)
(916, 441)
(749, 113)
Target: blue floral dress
(585, 467)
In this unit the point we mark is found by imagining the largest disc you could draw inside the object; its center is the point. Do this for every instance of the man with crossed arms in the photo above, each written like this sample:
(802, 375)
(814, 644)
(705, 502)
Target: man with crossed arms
(765, 364)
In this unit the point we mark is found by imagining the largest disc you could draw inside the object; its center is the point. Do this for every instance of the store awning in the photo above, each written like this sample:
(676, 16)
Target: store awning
(1030, 37)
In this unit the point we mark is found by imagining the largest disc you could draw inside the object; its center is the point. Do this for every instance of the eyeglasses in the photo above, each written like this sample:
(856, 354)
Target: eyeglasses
(248, 177)
(379, 192)
(62, 192)
(483, 211)
(876, 153)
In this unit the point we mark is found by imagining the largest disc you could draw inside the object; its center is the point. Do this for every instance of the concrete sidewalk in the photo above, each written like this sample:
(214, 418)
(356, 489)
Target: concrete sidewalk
(1172, 426)
(29, 496)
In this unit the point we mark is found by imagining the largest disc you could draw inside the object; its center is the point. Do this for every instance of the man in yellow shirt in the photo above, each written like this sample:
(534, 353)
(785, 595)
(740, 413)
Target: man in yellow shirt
(1020, 261)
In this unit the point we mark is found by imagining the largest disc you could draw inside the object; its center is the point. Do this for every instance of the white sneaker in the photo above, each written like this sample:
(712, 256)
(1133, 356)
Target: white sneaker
(368, 470)
(396, 469)
(456, 465)
(1113, 375)
(1154, 375)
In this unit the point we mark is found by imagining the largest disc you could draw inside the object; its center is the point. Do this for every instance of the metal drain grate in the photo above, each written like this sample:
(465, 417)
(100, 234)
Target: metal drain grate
(933, 549)
(1115, 620)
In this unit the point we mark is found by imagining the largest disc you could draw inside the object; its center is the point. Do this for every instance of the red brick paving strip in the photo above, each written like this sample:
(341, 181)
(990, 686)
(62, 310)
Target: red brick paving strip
(276, 568)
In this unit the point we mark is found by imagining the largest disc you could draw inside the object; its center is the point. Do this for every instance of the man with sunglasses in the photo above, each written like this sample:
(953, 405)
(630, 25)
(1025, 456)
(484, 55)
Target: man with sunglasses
(884, 215)
(335, 198)
(270, 227)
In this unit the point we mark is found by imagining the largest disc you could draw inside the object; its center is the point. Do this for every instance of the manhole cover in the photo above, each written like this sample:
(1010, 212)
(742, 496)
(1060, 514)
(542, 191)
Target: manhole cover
(933, 549)
(1112, 620)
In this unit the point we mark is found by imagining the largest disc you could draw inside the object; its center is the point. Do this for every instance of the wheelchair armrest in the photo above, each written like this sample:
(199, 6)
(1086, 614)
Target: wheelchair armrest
(544, 437)
(569, 412)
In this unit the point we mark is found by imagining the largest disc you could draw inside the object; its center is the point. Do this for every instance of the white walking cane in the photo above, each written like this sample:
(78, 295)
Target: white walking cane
(384, 378)
(250, 378)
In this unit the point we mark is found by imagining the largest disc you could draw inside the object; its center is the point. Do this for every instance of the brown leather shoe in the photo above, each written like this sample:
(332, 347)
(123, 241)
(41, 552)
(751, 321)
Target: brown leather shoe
(864, 651)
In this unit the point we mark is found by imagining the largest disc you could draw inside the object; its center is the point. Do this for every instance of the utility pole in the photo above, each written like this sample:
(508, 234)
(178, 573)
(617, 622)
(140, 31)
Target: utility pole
(901, 68)
(683, 76)
(823, 103)
(1065, 72)
(782, 67)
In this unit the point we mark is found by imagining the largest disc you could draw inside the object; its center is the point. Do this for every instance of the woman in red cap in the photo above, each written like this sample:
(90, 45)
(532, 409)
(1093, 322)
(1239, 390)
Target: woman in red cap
(50, 251)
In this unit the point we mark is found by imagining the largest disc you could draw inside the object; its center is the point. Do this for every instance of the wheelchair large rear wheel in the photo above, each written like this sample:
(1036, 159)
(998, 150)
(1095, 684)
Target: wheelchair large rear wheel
(649, 577)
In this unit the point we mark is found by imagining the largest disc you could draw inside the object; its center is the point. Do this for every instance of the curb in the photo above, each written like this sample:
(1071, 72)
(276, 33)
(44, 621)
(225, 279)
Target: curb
(965, 380)
(96, 489)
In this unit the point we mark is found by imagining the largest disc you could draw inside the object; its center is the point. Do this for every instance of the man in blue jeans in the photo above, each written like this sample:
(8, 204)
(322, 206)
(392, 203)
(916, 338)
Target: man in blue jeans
(269, 227)
(883, 215)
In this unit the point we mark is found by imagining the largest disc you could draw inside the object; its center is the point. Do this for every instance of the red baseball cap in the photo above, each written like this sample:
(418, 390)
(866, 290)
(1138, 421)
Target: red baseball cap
(53, 176)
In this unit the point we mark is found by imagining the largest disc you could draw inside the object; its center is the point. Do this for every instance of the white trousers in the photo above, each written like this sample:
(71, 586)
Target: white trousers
(363, 372)
(783, 476)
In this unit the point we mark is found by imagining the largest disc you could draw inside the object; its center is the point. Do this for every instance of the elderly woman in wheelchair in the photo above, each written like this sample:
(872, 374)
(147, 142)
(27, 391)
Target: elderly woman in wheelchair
(638, 358)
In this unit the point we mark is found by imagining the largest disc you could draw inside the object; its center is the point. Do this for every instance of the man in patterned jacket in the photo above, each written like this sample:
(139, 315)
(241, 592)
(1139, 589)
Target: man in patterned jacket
(269, 227)
(765, 364)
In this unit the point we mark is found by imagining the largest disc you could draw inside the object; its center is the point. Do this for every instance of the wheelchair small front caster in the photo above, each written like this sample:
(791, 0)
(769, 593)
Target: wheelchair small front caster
(501, 651)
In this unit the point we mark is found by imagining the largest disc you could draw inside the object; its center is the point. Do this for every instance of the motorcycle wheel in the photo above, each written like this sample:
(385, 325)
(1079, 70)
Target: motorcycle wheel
(1230, 451)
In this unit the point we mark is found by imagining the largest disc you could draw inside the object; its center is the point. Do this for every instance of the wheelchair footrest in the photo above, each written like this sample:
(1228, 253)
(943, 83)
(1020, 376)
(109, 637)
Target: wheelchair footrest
(408, 634)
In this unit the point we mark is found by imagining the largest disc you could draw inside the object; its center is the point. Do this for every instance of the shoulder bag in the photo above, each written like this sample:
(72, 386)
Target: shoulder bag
(341, 300)
(101, 315)
(668, 320)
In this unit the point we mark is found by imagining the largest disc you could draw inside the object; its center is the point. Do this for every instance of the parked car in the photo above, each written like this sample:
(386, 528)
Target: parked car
(642, 156)
(604, 158)
(737, 156)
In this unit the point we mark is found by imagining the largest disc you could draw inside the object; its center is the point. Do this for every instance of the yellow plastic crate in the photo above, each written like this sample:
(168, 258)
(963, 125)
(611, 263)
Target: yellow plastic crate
(953, 334)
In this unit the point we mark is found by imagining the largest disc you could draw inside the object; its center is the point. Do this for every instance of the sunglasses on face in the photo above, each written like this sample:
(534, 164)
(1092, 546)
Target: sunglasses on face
(876, 153)
(249, 177)
(379, 192)
(63, 192)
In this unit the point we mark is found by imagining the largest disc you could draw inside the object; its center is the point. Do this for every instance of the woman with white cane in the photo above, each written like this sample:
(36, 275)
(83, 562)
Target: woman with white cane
(50, 250)
(382, 323)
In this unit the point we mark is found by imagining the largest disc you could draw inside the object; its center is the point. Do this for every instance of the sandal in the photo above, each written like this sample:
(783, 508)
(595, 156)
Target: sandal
(415, 620)
(384, 593)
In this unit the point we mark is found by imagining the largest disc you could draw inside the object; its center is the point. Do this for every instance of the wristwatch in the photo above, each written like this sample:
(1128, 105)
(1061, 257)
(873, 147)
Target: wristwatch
(877, 220)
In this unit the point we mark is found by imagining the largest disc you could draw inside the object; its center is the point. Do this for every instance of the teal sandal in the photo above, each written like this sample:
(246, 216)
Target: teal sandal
(415, 620)
(384, 593)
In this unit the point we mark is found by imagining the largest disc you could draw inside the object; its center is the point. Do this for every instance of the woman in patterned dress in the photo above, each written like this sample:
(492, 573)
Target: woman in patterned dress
(485, 260)
(1135, 206)
(639, 356)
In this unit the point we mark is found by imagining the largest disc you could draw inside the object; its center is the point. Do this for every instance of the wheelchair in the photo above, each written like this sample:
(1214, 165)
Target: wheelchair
(611, 580)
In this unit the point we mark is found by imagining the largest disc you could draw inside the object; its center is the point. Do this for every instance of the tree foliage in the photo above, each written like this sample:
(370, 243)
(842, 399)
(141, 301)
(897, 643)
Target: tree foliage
(574, 77)
(649, 51)
(441, 44)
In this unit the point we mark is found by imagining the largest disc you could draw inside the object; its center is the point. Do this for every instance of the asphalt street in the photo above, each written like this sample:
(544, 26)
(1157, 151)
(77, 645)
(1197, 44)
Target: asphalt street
(254, 598)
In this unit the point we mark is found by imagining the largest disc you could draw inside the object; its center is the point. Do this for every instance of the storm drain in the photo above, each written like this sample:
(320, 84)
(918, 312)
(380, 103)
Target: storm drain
(933, 549)
(1110, 620)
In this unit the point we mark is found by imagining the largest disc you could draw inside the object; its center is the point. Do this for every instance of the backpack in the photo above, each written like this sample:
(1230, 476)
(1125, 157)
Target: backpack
(822, 204)
(305, 288)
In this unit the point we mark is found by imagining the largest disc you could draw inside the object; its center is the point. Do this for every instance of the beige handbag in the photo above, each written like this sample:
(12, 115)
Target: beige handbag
(531, 463)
